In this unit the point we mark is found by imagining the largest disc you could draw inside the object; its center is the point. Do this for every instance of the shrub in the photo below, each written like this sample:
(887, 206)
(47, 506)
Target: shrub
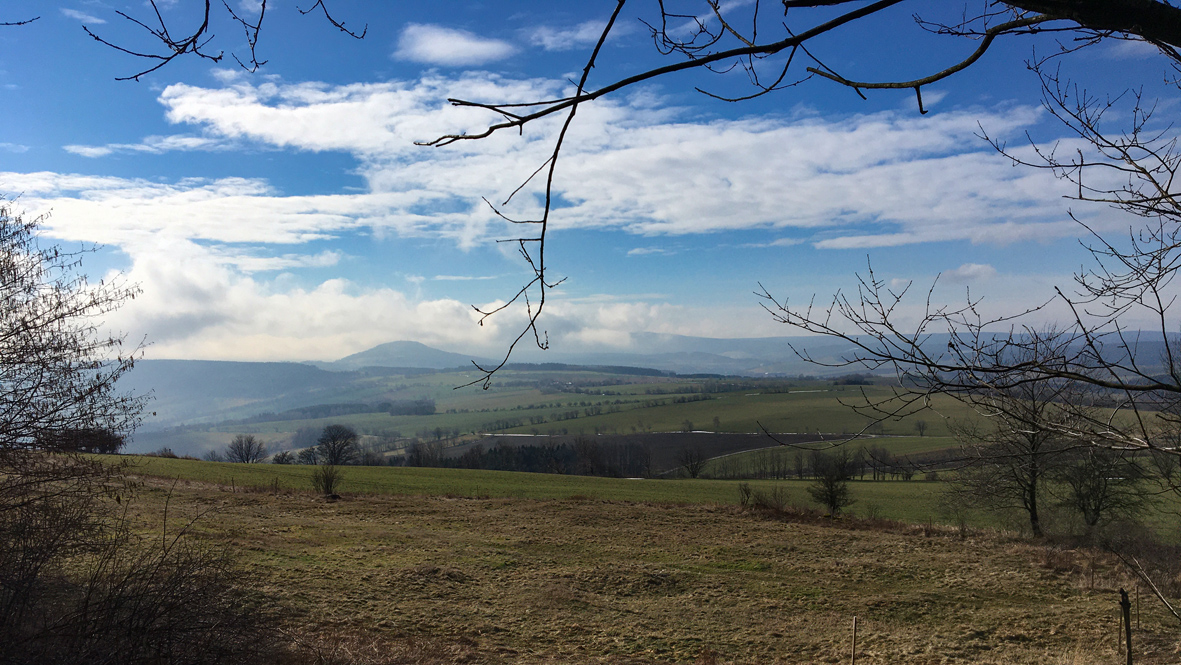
(775, 500)
(79, 585)
(744, 494)
(831, 487)
(326, 479)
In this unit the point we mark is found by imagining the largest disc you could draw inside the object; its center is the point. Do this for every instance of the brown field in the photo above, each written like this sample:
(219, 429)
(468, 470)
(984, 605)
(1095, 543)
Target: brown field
(404, 579)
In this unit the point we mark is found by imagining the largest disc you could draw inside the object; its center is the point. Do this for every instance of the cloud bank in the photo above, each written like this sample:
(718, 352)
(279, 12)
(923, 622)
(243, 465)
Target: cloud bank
(864, 181)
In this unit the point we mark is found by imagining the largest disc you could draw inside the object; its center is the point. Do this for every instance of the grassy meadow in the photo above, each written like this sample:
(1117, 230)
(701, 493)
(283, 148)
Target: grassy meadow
(496, 569)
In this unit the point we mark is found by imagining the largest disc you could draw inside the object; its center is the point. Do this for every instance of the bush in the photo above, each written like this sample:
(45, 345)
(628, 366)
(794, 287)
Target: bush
(831, 487)
(326, 479)
(78, 585)
(744, 494)
(284, 457)
(775, 500)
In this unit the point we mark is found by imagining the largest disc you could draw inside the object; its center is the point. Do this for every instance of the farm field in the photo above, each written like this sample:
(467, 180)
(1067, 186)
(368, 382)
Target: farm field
(783, 457)
(914, 501)
(411, 578)
(568, 403)
(810, 410)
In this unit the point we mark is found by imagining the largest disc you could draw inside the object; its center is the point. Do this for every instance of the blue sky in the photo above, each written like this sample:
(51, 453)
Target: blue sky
(288, 215)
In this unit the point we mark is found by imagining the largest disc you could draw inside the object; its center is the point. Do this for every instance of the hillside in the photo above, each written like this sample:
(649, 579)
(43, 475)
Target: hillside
(190, 391)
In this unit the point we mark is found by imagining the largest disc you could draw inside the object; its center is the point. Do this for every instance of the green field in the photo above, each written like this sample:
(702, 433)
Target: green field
(914, 501)
(577, 403)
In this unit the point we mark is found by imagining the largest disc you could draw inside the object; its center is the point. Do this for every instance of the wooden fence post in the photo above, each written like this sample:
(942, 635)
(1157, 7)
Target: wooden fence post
(1126, 606)
(853, 657)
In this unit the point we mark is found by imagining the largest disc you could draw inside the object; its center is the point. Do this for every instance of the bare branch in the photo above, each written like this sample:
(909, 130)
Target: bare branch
(338, 24)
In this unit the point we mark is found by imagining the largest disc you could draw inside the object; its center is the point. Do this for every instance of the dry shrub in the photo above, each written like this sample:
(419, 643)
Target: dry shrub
(774, 501)
(326, 479)
(78, 586)
(744, 494)
(1059, 560)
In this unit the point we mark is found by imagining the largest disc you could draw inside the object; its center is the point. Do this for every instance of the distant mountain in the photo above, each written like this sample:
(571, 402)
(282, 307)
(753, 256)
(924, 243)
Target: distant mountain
(666, 352)
(400, 354)
(758, 356)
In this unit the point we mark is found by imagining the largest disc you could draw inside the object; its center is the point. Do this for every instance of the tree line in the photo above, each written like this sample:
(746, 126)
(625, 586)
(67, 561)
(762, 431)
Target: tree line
(583, 456)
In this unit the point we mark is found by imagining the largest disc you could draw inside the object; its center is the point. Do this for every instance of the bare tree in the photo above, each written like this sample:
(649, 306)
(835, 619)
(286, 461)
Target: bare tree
(337, 445)
(310, 456)
(246, 449)
(692, 459)
(1101, 485)
(920, 426)
(58, 370)
(85, 440)
(1006, 466)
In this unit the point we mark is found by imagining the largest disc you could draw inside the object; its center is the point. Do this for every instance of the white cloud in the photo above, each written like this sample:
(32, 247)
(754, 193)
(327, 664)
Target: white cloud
(564, 39)
(463, 278)
(970, 273)
(195, 305)
(117, 211)
(152, 144)
(89, 150)
(252, 263)
(14, 147)
(778, 242)
(437, 45)
(81, 16)
(642, 251)
(630, 164)
(1129, 49)
(886, 179)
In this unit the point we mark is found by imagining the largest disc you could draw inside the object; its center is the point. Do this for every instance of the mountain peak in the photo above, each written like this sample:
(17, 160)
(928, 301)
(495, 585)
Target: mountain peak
(402, 354)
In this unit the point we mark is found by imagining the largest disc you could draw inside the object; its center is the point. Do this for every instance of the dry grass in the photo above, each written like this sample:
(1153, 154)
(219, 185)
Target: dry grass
(403, 579)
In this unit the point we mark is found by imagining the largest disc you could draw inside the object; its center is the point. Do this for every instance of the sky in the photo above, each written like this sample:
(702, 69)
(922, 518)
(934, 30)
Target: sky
(288, 214)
